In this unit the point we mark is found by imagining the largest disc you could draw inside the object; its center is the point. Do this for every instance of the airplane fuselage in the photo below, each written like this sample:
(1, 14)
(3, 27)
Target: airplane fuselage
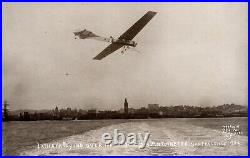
(89, 35)
(124, 42)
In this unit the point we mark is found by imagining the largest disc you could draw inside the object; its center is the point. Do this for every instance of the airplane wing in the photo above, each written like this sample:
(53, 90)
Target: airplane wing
(128, 35)
(108, 50)
(138, 26)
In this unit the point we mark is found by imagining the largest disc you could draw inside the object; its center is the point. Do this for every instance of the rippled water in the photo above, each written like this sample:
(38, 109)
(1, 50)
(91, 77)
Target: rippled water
(167, 137)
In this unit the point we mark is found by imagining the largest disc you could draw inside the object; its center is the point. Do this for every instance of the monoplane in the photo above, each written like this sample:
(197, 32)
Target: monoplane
(124, 41)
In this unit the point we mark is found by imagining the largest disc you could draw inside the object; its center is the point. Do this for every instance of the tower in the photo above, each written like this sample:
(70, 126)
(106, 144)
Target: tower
(126, 106)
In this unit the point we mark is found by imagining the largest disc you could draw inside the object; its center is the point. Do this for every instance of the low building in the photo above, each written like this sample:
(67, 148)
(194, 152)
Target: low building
(153, 107)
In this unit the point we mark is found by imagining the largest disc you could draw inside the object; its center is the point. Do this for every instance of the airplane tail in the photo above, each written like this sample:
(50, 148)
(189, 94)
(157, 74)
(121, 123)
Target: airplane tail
(85, 34)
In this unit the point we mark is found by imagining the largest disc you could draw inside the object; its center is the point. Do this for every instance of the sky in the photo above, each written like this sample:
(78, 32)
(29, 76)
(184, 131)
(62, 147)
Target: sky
(189, 53)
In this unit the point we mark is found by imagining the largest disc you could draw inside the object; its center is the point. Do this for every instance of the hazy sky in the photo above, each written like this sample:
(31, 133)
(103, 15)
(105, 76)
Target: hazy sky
(190, 53)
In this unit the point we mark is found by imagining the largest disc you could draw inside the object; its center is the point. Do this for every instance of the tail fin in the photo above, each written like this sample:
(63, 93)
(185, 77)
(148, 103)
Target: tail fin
(85, 34)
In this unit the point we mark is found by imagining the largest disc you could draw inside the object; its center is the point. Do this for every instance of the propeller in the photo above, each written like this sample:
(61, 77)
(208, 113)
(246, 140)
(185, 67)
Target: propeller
(127, 48)
(135, 48)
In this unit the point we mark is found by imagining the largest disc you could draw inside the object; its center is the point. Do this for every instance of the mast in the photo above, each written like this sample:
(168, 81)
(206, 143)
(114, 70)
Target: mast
(5, 111)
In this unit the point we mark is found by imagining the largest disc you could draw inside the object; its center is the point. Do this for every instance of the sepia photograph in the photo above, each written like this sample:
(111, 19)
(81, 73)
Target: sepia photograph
(130, 78)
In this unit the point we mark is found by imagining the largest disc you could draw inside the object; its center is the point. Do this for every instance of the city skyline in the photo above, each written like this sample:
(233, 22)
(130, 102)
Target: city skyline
(150, 111)
(117, 107)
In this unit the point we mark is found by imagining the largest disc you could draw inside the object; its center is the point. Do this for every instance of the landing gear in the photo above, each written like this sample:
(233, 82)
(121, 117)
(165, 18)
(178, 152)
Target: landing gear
(125, 48)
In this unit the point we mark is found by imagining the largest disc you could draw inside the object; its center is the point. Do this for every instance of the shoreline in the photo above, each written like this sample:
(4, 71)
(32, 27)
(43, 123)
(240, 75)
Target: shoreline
(130, 119)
